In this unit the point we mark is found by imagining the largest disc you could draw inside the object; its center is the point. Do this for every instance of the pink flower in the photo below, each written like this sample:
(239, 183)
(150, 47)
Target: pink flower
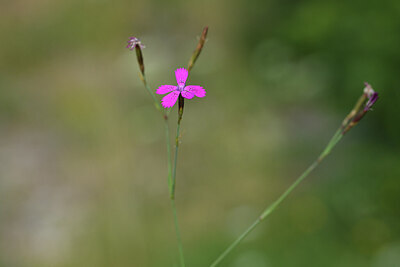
(187, 91)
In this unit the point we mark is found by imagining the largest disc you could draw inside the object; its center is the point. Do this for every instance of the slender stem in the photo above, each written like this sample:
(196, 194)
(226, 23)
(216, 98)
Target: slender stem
(171, 184)
(169, 160)
(332, 143)
(172, 195)
(178, 234)
(175, 160)
(153, 96)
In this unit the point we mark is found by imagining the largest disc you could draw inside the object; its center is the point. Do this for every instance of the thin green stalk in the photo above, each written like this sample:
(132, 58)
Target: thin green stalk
(172, 195)
(332, 143)
(169, 160)
(156, 102)
(178, 234)
(175, 160)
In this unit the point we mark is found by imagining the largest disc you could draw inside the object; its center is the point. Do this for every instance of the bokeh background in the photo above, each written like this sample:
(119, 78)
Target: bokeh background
(82, 149)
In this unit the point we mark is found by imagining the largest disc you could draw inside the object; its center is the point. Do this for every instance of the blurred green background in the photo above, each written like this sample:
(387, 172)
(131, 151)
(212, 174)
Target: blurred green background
(82, 151)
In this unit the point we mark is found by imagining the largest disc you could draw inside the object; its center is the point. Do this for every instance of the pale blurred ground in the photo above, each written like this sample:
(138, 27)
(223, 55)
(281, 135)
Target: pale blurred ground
(82, 152)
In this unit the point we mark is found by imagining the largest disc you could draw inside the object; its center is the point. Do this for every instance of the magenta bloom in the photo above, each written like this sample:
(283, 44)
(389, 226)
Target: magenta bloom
(187, 91)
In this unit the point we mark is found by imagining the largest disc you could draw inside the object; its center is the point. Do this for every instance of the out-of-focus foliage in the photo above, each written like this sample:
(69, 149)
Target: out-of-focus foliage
(82, 154)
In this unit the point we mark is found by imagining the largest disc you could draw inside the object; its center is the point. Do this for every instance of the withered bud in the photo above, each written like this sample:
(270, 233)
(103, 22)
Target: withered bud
(139, 57)
(134, 43)
(363, 105)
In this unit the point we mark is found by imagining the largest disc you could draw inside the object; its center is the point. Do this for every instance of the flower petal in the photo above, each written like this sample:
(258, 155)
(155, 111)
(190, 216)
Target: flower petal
(197, 90)
(181, 75)
(187, 94)
(163, 89)
(170, 99)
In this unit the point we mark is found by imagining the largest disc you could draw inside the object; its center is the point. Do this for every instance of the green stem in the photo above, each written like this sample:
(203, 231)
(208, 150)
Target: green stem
(169, 160)
(178, 234)
(175, 160)
(171, 184)
(332, 143)
(156, 102)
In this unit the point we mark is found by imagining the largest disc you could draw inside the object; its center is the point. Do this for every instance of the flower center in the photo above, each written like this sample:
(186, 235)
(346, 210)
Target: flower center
(181, 86)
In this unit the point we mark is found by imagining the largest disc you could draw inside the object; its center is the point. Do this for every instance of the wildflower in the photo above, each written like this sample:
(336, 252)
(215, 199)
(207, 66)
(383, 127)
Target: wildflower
(133, 42)
(174, 91)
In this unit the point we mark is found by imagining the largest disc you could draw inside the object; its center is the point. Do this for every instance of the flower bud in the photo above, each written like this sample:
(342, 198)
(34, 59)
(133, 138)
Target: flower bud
(199, 47)
(363, 105)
